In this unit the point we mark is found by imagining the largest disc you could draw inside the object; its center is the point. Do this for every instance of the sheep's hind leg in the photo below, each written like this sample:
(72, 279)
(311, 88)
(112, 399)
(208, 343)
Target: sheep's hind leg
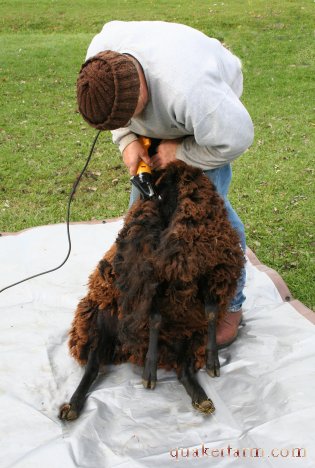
(101, 351)
(212, 357)
(150, 366)
(70, 411)
(199, 399)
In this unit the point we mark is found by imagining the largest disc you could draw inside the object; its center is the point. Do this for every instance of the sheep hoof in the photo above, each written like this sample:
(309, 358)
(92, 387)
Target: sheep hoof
(149, 384)
(149, 374)
(213, 364)
(68, 413)
(205, 407)
(213, 371)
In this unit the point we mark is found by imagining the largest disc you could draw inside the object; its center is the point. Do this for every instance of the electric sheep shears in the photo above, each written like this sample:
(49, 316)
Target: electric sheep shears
(143, 179)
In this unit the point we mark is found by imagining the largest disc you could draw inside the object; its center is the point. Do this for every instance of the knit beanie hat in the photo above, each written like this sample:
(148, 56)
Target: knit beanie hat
(108, 89)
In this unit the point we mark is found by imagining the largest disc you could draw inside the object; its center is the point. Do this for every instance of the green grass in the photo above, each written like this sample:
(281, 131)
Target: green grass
(45, 142)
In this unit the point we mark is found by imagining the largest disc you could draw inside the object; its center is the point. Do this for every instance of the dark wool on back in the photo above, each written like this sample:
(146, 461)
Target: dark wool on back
(163, 255)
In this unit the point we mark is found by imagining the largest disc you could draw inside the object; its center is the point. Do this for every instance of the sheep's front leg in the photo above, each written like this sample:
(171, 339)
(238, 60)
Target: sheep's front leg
(70, 411)
(212, 357)
(150, 366)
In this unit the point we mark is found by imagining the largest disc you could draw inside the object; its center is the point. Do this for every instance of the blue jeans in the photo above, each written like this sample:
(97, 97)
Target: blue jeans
(221, 178)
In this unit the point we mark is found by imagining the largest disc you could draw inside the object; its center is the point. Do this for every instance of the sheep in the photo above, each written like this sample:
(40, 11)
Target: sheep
(157, 295)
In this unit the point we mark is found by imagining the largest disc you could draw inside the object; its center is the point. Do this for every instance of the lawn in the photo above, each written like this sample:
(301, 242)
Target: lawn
(44, 142)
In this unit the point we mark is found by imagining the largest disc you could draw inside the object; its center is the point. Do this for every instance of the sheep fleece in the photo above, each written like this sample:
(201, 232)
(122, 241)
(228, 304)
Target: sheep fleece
(162, 255)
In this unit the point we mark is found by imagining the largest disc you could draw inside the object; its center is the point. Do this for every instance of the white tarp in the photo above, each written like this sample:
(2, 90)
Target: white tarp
(264, 398)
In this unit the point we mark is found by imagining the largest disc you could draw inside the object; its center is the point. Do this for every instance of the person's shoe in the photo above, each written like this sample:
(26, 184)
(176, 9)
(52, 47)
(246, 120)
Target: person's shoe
(227, 329)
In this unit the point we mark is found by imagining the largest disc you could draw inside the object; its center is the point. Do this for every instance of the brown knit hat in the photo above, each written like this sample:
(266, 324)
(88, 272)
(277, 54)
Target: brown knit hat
(108, 89)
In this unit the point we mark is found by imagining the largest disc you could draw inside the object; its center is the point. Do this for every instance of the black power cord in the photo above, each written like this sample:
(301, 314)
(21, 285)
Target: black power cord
(75, 185)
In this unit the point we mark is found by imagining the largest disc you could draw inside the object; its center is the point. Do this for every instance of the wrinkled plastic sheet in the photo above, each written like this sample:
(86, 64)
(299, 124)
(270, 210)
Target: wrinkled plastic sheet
(264, 397)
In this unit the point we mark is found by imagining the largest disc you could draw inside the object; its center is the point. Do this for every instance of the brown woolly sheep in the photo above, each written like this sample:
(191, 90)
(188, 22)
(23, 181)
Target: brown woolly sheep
(157, 294)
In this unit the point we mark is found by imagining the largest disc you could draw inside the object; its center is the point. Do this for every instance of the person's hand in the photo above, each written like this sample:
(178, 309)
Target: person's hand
(132, 155)
(166, 153)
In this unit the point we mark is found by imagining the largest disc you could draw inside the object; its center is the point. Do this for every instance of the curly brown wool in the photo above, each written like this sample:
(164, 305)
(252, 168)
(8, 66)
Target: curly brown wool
(160, 257)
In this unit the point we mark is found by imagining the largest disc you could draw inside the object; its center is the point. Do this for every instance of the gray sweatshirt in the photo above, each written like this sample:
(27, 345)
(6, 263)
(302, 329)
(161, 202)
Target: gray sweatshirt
(194, 88)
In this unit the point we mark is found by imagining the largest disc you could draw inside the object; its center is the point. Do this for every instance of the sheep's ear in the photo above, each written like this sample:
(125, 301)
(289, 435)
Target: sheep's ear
(170, 177)
(167, 186)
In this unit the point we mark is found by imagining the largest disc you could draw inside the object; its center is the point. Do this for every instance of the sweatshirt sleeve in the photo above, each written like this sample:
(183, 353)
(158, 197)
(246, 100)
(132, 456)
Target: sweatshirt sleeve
(220, 136)
(122, 137)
